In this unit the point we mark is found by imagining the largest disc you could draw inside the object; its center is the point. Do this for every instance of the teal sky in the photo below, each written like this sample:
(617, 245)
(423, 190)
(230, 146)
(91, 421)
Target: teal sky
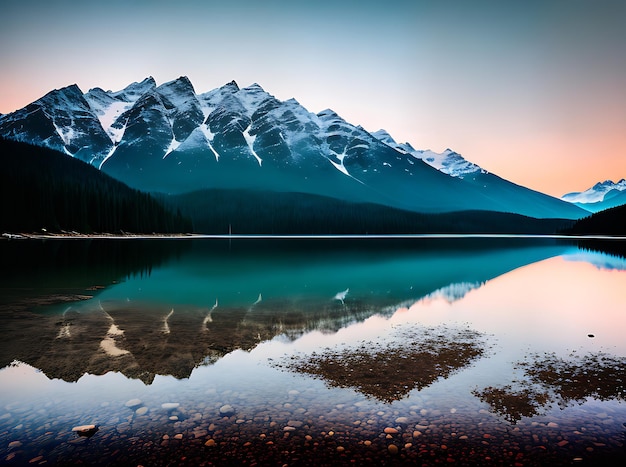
(533, 91)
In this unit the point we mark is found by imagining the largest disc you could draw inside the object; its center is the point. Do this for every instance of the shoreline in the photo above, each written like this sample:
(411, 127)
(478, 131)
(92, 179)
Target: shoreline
(182, 236)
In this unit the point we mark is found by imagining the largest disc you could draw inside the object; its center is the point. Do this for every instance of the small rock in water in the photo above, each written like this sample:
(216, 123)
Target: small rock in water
(141, 410)
(590, 335)
(170, 405)
(227, 410)
(15, 444)
(85, 430)
(133, 403)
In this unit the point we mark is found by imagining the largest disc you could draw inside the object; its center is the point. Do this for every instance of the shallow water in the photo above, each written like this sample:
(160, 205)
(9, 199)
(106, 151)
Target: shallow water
(482, 351)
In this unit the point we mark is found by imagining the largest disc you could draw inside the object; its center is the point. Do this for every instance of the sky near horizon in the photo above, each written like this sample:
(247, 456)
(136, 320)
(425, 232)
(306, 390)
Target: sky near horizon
(533, 91)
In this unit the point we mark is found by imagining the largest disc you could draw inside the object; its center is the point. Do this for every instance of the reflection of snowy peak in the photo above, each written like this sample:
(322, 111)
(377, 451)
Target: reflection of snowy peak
(602, 195)
(448, 161)
(454, 292)
(169, 139)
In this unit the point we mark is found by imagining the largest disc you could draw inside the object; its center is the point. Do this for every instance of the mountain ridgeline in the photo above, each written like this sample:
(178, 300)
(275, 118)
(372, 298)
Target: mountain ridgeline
(43, 189)
(231, 143)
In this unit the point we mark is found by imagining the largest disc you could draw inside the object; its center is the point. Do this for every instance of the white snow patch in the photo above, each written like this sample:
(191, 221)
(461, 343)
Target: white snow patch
(251, 97)
(66, 133)
(339, 166)
(116, 134)
(209, 137)
(172, 147)
(250, 140)
(107, 156)
(108, 115)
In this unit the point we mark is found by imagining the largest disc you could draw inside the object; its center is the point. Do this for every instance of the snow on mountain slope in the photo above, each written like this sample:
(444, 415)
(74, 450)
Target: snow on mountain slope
(601, 196)
(108, 109)
(449, 162)
(61, 120)
(596, 193)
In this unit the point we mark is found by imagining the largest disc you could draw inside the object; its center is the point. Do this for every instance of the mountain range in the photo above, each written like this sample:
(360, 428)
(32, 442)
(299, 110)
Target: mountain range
(601, 196)
(169, 139)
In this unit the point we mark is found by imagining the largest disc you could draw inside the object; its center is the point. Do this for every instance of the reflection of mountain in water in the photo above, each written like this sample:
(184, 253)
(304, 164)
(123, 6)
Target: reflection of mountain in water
(167, 320)
(454, 292)
(614, 249)
(143, 340)
(414, 359)
(549, 380)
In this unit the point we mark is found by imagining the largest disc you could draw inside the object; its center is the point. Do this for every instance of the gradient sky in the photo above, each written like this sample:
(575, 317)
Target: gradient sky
(533, 91)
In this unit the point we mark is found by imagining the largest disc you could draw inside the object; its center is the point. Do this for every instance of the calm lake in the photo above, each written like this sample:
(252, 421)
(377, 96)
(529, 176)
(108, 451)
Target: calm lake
(459, 351)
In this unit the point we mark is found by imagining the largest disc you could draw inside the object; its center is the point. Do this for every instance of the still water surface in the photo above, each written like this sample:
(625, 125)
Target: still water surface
(300, 352)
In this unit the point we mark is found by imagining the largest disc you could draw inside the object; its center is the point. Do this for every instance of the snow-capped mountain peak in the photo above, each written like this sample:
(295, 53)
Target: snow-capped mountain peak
(134, 91)
(385, 137)
(596, 193)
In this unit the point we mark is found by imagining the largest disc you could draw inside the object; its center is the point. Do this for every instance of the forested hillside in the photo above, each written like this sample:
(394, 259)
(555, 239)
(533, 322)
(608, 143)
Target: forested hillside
(609, 222)
(263, 212)
(44, 189)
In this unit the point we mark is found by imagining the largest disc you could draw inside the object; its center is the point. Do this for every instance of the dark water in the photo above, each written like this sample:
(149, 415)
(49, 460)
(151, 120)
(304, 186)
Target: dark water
(483, 351)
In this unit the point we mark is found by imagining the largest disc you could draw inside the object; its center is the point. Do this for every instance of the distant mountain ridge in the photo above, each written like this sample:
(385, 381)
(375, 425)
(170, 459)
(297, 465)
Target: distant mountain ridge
(603, 195)
(170, 139)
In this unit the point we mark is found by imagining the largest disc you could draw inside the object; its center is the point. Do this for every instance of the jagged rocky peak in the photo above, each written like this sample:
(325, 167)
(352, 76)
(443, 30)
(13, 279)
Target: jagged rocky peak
(252, 97)
(63, 99)
(384, 136)
(184, 108)
(328, 113)
(232, 85)
(596, 193)
(135, 90)
(176, 91)
(210, 100)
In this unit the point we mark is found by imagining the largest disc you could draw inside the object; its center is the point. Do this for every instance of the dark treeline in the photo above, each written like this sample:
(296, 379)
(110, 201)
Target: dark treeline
(609, 222)
(79, 265)
(254, 212)
(44, 189)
